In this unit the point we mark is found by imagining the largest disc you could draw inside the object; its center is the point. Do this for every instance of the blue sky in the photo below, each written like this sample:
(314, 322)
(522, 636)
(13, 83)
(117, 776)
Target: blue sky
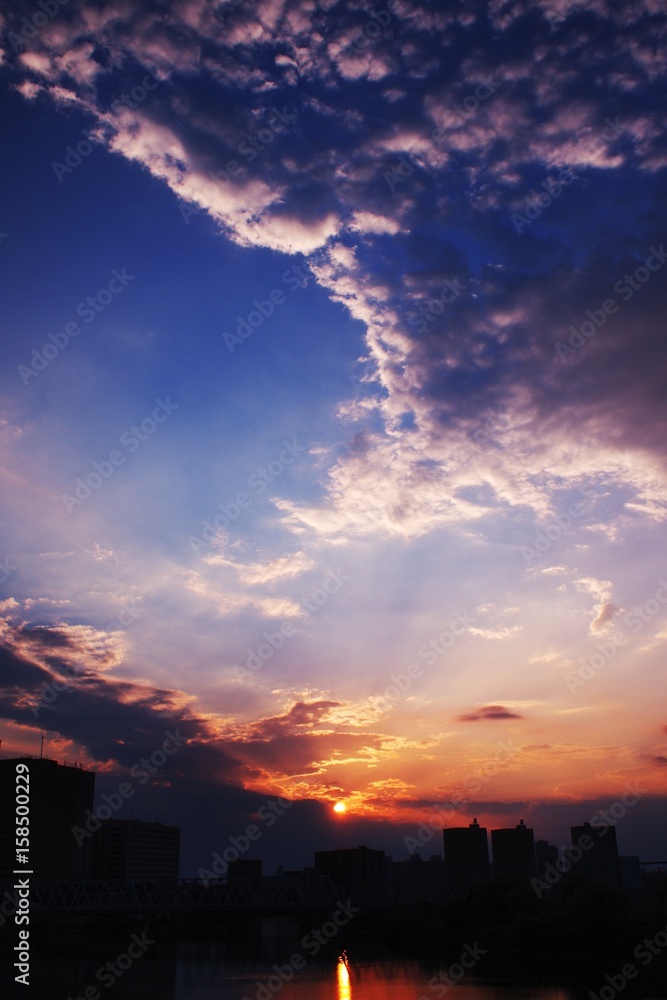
(435, 204)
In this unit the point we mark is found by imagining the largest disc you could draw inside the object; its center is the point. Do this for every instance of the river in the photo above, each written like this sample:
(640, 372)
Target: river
(200, 971)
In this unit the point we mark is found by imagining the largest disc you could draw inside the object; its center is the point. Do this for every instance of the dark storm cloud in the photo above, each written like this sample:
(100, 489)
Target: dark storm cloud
(49, 638)
(16, 671)
(300, 715)
(121, 724)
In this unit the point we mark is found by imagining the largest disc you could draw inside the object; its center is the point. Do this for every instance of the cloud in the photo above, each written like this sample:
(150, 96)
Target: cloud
(66, 646)
(324, 183)
(228, 601)
(598, 588)
(604, 611)
(285, 567)
(488, 712)
(497, 633)
(301, 716)
(605, 615)
(655, 641)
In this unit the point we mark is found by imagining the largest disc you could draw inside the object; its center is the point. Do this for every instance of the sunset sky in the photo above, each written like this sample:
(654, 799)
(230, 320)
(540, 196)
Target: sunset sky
(334, 411)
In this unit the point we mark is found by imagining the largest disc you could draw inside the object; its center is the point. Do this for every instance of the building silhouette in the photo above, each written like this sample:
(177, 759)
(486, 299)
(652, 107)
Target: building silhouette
(545, 854)
(417, 878)
(630, 871)
(466, 848)
(244, 872)
(513, 850)
(60, 795)
(361, 863)
(599, 861)
(125, 850)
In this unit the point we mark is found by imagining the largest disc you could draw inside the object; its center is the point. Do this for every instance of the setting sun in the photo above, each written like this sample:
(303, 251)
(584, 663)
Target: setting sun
(340, 808)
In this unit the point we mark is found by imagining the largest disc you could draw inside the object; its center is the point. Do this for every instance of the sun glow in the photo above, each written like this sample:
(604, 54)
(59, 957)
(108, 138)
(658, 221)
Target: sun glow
(340, 808)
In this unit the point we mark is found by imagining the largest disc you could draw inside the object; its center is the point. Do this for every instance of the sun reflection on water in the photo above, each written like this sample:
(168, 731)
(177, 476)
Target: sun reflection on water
(343, 978)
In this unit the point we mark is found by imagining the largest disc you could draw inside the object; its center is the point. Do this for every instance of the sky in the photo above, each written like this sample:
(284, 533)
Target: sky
(333, 413)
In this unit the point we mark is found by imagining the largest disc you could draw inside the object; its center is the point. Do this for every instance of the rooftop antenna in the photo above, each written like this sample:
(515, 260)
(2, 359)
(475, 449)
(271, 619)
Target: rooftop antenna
(41, 749)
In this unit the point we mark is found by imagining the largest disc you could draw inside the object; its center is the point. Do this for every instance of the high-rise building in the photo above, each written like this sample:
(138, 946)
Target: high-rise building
(545, 854)
(363, 863)
(466, 848)
(595, 853)
(125, 850)
(244, 872)
(513, 850)
(60, 795)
